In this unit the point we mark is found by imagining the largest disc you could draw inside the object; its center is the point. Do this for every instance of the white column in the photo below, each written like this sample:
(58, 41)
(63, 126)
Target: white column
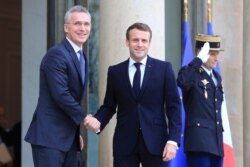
(34, 45)
(228, 22)
(115, 17)
(246, 82)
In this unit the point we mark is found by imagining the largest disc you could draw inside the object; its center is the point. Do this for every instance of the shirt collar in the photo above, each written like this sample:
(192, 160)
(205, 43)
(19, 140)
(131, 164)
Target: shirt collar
(207, 71)
(75, 47)
(143, 61)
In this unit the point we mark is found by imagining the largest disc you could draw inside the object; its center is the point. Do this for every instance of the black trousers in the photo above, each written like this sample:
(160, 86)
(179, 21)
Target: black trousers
(140, 155)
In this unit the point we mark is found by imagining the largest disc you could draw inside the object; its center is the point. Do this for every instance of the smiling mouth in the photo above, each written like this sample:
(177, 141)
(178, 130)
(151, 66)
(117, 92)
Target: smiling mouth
(139, 51)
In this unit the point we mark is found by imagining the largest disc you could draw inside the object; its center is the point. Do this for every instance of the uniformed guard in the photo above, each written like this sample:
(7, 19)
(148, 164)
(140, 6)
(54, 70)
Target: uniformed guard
(202, 98)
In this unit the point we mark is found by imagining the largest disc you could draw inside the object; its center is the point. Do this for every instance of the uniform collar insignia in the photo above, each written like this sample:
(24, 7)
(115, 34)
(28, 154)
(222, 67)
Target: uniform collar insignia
(205, 82)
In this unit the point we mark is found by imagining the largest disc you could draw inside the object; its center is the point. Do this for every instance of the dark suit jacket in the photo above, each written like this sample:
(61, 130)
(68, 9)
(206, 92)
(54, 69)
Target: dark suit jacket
(58, 113)
(158, 98)
(203, 124)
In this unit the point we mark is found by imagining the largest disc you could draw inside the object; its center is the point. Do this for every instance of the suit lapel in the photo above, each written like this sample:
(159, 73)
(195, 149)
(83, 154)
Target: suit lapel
(147, 74)
(126, 80)
(86, 70)
(75, 59)
(73, 55)
(125, 77)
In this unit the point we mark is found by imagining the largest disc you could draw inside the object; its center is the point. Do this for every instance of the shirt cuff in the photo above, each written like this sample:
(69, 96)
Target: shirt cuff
(173, 143)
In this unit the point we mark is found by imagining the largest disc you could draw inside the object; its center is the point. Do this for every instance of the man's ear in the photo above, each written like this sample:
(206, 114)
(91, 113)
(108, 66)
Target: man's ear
(65, 27)
(127, 42)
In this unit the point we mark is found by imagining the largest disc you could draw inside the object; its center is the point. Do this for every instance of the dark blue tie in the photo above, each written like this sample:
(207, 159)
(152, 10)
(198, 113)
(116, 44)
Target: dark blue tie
(137, 79)
(82, 65)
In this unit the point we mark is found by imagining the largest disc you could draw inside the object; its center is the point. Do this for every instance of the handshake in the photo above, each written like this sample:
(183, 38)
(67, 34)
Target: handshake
(92, 124)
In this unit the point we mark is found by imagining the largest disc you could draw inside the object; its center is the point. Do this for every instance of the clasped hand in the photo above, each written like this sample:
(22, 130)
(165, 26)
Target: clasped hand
(92, 123)
(169, 152)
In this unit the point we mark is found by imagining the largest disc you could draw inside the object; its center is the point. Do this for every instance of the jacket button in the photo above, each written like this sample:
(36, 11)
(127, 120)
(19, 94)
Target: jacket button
(198, 124)
(218, 122)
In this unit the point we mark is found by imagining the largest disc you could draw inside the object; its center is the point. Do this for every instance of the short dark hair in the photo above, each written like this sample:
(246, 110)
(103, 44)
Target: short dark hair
(139, 26)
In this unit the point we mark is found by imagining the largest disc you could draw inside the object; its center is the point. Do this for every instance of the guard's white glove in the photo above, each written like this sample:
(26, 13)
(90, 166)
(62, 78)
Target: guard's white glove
(203, 54)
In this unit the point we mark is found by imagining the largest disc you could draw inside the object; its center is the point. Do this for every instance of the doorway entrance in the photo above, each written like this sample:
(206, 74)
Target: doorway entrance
(10, 73)
(10, 59)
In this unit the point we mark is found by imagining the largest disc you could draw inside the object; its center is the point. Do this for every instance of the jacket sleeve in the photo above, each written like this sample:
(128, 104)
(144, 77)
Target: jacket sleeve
(186, 75)
(108, 109)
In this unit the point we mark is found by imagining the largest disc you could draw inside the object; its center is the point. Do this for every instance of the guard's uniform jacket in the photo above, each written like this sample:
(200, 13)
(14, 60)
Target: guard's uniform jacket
(202, 101)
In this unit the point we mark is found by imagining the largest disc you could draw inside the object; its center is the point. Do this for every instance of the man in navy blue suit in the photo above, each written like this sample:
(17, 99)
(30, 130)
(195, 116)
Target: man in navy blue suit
(54, 130)
(202, 99)
(148, 128)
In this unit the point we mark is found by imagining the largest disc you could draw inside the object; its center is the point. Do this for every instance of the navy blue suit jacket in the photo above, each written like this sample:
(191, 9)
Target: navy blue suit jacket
(58, 114)
(202, 101)
(158, 98)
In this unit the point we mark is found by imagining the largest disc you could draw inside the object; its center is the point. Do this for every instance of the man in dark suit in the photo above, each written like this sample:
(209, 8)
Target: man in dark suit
(142, 134)
(202, 98)
(54, 130)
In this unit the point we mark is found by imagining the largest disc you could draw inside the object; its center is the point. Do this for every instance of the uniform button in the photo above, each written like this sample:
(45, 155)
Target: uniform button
(215, 99)
(218, 122)
(216, 111)
(198, 124)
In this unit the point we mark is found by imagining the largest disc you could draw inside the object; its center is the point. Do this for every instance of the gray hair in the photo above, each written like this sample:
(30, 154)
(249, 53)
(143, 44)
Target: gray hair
(77, 8)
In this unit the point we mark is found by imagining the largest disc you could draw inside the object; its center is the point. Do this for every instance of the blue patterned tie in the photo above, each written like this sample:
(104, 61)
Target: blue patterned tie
(82, 66)
(137, 79)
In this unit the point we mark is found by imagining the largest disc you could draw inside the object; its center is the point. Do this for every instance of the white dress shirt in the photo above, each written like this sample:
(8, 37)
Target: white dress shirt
(132, 69)
(210, 73)
(75, 47)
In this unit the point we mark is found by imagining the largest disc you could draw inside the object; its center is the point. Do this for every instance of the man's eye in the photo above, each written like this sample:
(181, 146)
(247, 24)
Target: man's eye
(78, 24)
